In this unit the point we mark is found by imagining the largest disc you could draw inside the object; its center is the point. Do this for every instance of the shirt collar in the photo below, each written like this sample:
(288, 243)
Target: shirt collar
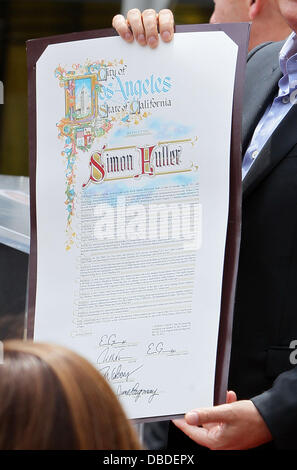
(287, 51)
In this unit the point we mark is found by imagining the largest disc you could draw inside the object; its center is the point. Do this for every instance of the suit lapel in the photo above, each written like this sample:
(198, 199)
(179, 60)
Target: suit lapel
(261, 85)
(280, 143)
(263, 74)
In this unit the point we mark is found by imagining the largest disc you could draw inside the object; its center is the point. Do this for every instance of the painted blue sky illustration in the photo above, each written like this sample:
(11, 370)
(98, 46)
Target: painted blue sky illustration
(161, 129)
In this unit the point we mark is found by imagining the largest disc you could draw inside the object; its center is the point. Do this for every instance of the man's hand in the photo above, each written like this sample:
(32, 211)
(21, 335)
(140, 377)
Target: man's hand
(144, 26)
(235, 426)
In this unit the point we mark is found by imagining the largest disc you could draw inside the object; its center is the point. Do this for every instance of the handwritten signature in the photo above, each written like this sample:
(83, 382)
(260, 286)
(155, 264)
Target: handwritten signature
(158, 348)
(136, 392)
(110, 340)
(109, 355)
(118, 373)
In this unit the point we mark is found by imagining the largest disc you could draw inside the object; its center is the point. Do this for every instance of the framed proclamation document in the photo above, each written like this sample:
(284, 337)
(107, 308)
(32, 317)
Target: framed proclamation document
(135, 196)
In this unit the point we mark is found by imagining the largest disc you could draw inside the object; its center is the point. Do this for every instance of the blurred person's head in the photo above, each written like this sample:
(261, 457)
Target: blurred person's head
(53, 399)
(268, 24)
(229, 11)
(288, 9)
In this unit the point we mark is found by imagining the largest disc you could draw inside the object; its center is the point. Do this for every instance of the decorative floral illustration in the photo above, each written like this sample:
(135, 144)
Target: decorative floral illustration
(86, 119)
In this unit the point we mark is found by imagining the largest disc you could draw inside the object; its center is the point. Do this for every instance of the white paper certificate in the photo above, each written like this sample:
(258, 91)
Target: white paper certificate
(132, 198)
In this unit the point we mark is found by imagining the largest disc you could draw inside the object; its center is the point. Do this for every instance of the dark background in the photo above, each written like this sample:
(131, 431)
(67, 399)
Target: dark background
(21, 20)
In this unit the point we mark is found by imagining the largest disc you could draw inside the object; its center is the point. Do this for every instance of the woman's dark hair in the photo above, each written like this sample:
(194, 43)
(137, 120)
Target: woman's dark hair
(52, 398)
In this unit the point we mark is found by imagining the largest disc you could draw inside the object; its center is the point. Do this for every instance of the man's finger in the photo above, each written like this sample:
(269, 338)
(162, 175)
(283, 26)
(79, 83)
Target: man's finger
(166, 24)
(135, 21)
(120, 25)
(150, 22)
(199, 435)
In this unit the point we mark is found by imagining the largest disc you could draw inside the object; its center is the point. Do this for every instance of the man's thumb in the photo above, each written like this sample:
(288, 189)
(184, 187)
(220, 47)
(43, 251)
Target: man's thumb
(231, 397)
(202, 416)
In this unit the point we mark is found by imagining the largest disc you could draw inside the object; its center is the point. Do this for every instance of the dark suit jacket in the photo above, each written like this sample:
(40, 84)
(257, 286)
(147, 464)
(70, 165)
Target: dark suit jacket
(265, 316)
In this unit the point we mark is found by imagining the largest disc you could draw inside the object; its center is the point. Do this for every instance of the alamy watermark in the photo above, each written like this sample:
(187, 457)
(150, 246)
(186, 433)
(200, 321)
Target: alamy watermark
(293, 354)
(175, 221)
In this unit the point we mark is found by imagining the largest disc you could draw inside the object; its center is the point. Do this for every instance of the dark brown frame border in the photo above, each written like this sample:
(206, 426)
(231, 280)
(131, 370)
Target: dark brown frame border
(239, 33)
